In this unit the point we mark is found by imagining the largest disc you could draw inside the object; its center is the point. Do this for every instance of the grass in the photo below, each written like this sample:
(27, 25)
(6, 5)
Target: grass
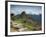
(30, 25)
(27, 24)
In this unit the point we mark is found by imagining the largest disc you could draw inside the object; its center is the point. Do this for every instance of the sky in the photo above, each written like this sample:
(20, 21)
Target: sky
(18, 9)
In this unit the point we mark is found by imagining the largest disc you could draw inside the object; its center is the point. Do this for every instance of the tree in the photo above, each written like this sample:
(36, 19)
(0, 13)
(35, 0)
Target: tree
(12, 14)
(12, 17)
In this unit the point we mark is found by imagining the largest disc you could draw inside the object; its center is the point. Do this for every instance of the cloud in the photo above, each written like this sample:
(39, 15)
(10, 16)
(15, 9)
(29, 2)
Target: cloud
(17, 9)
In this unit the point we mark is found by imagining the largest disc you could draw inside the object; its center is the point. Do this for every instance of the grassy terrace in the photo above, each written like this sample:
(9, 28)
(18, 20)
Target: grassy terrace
(26, 21)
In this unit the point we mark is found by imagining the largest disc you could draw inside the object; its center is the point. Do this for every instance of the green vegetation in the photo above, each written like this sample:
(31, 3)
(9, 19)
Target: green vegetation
(26, 21)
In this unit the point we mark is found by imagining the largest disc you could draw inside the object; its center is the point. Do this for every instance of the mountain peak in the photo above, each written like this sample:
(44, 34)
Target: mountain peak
(23, 13)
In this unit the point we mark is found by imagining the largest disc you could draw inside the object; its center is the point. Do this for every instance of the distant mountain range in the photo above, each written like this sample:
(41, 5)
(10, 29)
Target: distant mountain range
(37, 17)
(33, 17)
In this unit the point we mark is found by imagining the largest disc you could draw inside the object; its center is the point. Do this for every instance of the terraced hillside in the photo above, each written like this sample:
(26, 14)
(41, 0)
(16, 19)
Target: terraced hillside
(25, 22)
